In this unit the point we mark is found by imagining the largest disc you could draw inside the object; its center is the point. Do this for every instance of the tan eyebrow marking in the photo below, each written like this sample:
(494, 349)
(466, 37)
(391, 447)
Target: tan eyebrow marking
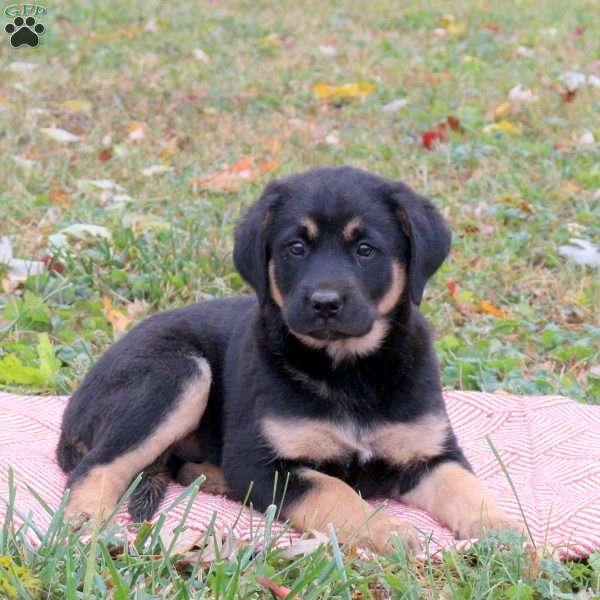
(351, 227)
(311, 227)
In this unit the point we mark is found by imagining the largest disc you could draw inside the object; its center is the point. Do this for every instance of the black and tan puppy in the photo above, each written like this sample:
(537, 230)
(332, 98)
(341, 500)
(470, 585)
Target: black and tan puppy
(326, 378)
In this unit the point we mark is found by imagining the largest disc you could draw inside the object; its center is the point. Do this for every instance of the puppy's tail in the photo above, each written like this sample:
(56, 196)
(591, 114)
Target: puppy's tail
(146, 497)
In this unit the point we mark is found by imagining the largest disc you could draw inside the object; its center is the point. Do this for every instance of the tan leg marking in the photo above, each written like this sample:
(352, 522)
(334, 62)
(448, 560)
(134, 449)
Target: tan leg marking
(393, 295)
(330, 500)
(215, 482)
(311, 227)
(456, 498)
(275, 291)
(402, 443)
(351, 228)
(97, 494)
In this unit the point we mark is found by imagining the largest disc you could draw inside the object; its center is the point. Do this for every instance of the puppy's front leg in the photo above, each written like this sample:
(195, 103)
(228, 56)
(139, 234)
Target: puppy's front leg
(330, 500)
(456, 498)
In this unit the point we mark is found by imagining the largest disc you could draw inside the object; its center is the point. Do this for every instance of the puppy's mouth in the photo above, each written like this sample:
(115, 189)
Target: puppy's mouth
(328, 334)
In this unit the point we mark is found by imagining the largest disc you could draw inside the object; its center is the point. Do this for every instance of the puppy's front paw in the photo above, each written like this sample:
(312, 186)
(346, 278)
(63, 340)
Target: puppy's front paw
(381, 529)
(475, 524)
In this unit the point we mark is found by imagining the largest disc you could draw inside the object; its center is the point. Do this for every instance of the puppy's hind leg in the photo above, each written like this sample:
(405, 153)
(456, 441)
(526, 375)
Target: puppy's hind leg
(168, 406)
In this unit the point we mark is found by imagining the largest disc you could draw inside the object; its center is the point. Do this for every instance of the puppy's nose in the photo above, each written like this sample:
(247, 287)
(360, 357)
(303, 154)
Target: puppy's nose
(326, 302)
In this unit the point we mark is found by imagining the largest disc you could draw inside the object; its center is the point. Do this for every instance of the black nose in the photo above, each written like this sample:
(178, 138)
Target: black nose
(326, 302)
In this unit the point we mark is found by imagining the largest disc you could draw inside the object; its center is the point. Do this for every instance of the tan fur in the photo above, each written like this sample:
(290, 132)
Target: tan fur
(330, 500)
(351, 227)
(321, 441)
(456, 498)
(402, 443)
(275, 291)
(214, 483)
(393, 295)
(311, 227)
(97, 494)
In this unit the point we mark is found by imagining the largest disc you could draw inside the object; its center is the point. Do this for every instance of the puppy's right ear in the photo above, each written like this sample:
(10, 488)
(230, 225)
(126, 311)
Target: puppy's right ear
(251, 251)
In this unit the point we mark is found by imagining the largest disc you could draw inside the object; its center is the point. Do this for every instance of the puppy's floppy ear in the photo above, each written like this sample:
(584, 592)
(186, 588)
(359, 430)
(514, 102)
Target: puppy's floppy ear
(250, 251)
(429, 236)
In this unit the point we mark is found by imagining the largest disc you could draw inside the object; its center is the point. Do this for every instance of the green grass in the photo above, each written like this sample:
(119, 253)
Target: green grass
(512, 201)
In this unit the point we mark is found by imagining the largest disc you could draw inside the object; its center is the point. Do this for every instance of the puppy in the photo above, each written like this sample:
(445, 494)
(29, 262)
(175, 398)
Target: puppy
(320, 390)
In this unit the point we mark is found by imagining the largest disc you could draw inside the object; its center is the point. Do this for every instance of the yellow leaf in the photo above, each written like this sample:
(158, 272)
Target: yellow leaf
(503, 110)
(490, 309)
(77, 105)
(347, 91)
(503, 127)
(451, 25)
(118, 320)
(136, 131)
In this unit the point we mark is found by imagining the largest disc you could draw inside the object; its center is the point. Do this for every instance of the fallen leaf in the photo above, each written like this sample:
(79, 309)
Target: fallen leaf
(503, 110)
(493, 27)
(229, 180)
(432, 137)
(268, 166)
(452, 286)
(100, 184)
(156, 170)
(25, 163)
(139, 223)
(573, 80)
(490, 309)
(105, 154)
(59, 135)
(53, 264)
(77, 232)
(585, 139)
(306, 545)
(18, 269)
(200, 55)
(77, 105)
(60, 198)
(454, 123)
(519, 95)
(568, 95)
(136, 131)
(503, 126)
(347, 91)
(395, 105)
(451, 25)
(118, 320)
(327, 50)
(582, 252)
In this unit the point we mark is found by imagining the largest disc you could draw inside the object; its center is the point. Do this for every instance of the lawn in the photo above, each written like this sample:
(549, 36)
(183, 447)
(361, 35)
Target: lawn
(147, 128)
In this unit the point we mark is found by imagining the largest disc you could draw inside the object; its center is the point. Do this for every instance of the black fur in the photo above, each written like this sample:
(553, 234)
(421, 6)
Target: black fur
(259, 365)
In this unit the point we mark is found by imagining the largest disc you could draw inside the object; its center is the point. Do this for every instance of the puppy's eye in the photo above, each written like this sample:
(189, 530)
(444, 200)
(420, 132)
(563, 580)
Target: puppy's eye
(296, 249)
(365, 250)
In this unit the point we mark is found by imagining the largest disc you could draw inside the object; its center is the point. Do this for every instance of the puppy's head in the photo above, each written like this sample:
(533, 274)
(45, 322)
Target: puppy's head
(337, 249)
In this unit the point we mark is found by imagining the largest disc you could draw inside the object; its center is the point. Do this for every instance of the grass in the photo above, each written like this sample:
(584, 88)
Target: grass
(128, 79)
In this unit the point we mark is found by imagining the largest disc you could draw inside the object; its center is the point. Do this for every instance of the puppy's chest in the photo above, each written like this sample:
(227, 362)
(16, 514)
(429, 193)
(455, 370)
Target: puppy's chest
(320, 441)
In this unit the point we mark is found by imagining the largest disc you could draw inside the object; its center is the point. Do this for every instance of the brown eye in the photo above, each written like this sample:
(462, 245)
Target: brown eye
(296, 249)
(365, 250)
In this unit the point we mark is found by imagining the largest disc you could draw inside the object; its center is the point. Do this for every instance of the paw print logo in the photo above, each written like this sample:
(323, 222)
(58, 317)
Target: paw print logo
(24, 31)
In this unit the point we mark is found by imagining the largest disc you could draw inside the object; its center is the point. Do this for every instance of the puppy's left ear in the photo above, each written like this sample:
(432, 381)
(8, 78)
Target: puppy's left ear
(250, 251)
(428, 233)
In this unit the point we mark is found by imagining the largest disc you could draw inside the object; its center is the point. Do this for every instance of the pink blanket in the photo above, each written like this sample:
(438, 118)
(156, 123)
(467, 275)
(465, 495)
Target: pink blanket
(550, 445)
